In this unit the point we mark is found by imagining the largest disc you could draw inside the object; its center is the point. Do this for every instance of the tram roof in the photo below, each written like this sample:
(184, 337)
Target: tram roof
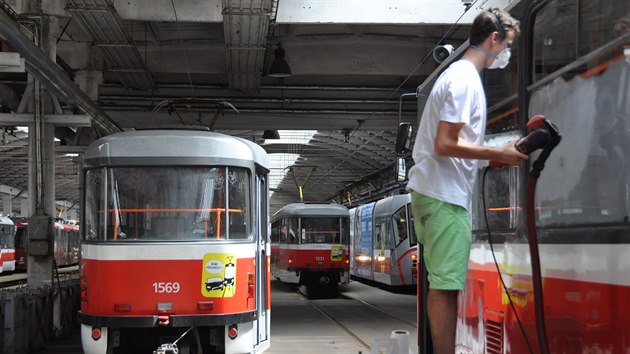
(311, 209)
(173, 145)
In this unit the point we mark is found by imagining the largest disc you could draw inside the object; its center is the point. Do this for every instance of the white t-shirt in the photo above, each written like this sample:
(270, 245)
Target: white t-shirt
(456, 97)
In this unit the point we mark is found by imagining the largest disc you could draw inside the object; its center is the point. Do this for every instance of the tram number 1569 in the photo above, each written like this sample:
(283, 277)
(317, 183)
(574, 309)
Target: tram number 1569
(163, 287)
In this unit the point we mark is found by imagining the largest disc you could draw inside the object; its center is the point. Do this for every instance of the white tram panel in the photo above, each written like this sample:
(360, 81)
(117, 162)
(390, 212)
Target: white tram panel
(384, 246)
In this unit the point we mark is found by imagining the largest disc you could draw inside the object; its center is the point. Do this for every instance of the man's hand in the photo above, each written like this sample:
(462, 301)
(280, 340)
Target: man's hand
(508, 155)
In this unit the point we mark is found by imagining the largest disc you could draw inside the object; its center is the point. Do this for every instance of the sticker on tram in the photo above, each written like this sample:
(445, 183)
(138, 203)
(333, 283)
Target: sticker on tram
(336, 253)
(218, 277)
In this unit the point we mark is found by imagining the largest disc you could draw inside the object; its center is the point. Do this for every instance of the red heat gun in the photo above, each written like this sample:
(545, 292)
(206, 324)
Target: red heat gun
(539, 133)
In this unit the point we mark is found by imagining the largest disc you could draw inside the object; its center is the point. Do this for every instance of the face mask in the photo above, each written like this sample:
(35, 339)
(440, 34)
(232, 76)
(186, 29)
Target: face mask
(501, 60)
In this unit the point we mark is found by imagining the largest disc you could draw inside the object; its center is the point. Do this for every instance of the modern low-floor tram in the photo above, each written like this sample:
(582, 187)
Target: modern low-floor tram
(383, 242)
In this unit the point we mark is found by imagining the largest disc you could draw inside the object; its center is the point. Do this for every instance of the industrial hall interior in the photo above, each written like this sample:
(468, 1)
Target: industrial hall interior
(231, 176)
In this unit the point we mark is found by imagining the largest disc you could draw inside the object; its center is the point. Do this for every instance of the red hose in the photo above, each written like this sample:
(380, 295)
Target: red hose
(539, 307)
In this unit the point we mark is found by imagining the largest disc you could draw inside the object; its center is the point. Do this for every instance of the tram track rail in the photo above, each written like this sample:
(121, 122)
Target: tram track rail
(354, 335)
(376, 308)
(14, 279)
(343, 327)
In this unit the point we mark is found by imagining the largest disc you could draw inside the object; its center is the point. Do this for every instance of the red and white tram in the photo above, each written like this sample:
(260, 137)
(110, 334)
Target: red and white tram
(67, 239)
(573, 66)
(7, 245)
(175, 245)
(309, 245)
(383, 242)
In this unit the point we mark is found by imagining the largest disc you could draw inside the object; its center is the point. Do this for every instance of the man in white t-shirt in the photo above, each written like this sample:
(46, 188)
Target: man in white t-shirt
(448, 144)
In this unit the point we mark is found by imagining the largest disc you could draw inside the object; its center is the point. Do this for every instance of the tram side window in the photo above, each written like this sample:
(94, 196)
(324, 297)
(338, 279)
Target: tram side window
(381, 234)
(292, 230)
(589, 102)
(345, 231)
(412, 226)
(239, 203)
(399, 223)
(556, 42)
(275, 231)
(500, 196)
(21, 237)
(92, 218)
(7, 236)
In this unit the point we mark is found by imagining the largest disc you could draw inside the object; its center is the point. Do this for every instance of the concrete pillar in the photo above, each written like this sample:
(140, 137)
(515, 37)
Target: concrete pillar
(89, 81)
(6, 205)
(24, 207)
(42, 204)
(42, 173)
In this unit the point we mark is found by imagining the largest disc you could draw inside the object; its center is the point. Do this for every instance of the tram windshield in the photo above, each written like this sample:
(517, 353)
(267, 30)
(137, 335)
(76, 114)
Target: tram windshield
(7, 234)
(167, 204)
(324, 230)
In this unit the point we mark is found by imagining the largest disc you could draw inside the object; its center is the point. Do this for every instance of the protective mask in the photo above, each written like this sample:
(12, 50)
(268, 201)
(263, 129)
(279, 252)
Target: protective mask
(501, 60)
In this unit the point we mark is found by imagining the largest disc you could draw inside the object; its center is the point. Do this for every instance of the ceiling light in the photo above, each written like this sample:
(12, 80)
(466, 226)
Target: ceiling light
(271, 134)
(279, 67)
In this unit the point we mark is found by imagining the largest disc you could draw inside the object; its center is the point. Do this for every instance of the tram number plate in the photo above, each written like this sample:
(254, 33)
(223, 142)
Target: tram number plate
(319, 259)
(166, 287)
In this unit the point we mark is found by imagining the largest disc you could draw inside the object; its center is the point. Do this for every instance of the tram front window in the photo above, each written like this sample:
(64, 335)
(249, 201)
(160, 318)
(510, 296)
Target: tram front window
(167, 204)
(322, 230)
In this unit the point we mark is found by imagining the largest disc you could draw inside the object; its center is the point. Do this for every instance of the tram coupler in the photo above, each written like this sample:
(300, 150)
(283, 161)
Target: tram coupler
(167, 348)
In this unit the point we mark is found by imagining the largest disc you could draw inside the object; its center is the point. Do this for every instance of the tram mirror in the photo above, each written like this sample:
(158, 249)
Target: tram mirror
(403, 137)
(401, 169)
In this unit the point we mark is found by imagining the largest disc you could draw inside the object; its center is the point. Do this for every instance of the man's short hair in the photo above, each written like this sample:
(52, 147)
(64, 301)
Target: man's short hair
(492, 20)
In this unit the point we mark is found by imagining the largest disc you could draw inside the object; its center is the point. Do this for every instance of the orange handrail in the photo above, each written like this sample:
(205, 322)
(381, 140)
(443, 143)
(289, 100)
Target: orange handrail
(173, 210)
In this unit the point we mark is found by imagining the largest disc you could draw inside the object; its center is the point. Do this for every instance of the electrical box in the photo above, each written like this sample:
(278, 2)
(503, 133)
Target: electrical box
(40, 235)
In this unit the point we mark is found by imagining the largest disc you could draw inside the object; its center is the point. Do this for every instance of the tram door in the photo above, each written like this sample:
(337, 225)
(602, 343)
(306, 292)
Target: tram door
(382, 250)
(263, 250)
(402, 242)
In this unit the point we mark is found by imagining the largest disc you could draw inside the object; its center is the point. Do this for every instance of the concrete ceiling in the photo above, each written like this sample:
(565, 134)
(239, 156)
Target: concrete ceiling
(187, 62)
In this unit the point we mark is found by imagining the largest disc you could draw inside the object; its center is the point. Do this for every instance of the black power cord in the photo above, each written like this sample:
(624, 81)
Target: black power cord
(496, 263)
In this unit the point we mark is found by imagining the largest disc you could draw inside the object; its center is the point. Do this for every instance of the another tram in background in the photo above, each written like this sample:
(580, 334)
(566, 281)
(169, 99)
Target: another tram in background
(66, 247)
(309, 245)
(175, 244)
(573, 66)
(7, 245)
(383, 242)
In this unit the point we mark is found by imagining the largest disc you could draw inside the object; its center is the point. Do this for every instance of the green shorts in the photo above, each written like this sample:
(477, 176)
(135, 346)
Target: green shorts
(443, 229)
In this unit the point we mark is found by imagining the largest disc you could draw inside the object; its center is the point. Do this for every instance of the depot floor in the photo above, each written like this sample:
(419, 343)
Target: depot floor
(361, 320)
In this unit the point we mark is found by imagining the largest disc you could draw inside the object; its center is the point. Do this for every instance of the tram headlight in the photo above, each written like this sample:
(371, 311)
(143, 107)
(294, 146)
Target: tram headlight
(83, 285)
(414, 261)
(96, 333)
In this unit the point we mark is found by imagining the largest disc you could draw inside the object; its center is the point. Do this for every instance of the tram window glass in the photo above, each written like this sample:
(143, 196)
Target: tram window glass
(20, 237)
(292, 227)
(565, 30)
(587, 183)
(381, 239)
(261, 220)
(283, 230)
(170, 204)
(345, 231)
(320, 230)
(275, 231)
(239, 203)
(501, 87)
(399, 223)
(500, 195)
(7, 235)
(414, 237)
(500, 191)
